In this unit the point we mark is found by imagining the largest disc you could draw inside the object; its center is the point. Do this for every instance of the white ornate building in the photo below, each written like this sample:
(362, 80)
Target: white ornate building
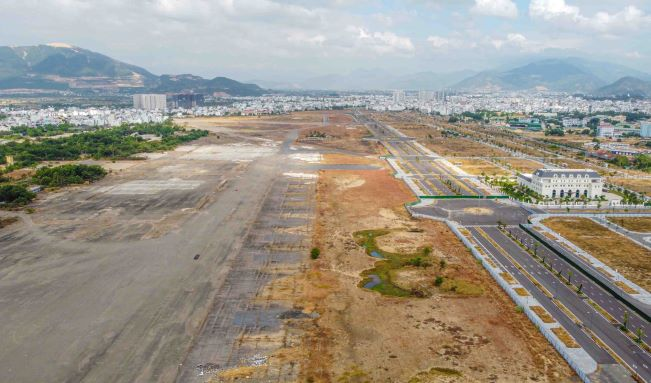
(561, 183)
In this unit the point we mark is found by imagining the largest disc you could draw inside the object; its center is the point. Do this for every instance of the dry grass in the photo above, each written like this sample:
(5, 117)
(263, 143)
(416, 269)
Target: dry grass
(542, 314)
(565, 337)
(508, 278)
(523, 166)
(638, 224)
(521, 291)
(639, 185)
(627, 289)
(459, 147)
(630, 259)
(386, 338)
(478, 167)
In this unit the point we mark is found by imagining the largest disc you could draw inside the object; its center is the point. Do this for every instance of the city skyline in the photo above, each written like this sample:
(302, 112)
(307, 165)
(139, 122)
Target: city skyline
(289, 41)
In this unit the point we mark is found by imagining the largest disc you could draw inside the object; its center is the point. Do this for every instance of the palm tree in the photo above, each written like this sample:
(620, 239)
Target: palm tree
(640, 335)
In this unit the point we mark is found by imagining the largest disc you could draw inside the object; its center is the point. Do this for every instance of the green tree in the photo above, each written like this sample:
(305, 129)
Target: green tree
(15, 195)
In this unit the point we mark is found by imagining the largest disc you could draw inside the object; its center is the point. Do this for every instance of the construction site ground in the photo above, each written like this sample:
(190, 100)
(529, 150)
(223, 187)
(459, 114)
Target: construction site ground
(194, 266)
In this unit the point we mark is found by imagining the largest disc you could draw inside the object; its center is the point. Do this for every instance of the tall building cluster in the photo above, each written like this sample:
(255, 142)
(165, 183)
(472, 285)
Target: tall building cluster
(150, 101)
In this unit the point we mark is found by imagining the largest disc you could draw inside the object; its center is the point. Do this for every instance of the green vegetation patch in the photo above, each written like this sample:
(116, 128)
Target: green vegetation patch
(388, 263)
(117, 143)
(433, 374)
(68, 175)
(354, 374)
(461, 287)
(40, 131)
(15, 195)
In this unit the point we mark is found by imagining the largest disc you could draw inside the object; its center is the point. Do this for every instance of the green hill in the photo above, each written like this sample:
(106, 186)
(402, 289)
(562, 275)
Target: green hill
(61, 66)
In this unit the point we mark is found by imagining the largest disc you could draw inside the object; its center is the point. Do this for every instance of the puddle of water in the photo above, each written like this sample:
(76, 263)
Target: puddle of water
(375, 280)
(375, 254)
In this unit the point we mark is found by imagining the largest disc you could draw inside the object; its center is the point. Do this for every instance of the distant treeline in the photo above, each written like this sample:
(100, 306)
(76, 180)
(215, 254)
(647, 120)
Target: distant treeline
(40, 131)
(115, 143)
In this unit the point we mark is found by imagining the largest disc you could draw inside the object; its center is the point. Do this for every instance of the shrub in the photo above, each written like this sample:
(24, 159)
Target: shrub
(15, 195)
(315, 253)
(418, 262)
(438, 281)
(68, 174)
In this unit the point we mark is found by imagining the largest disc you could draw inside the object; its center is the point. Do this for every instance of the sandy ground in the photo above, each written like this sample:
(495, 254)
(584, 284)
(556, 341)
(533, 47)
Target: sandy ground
(364, 336)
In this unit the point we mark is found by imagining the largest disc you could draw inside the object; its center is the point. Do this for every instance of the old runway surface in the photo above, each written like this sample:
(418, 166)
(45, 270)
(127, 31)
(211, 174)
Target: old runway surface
(121, 310)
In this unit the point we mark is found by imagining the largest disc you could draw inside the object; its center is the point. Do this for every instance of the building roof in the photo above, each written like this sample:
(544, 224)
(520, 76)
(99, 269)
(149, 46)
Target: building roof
(566, 172)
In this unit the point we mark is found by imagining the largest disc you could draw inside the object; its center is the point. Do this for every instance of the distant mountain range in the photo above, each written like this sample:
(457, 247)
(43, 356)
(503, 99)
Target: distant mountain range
(61, 67)
(572, 75)
(372, 80)
(626, 87)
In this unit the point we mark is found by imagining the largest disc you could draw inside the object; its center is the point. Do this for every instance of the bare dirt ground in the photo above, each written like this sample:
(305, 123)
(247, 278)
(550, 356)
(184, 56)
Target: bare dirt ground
(618, 252)
(193, 266)
(361, 335)
(523, 165)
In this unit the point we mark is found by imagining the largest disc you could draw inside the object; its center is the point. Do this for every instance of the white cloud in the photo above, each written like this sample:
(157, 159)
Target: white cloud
(438, 42)
(513, 40)
(499, 8)
(630, 18)
(635, 55)
(384, 42)
(553, 9)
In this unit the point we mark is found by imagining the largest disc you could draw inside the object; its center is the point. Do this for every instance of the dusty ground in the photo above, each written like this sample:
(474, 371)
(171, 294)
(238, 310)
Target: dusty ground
(342, 136)
(523, 165)
(618, 252)
(637, 224)
(364, 336)
(478, 167)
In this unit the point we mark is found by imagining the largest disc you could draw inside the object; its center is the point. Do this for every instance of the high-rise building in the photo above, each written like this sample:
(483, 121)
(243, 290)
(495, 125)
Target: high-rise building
(645, 129)
(398, 96)
(425, 96)
(150, 101)
(187, 101)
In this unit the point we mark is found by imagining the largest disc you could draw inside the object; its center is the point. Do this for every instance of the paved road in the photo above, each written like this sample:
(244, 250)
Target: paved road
(623, 346)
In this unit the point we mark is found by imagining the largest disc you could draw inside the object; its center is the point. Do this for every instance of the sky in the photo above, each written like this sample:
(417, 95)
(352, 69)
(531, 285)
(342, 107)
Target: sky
(296, 39)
